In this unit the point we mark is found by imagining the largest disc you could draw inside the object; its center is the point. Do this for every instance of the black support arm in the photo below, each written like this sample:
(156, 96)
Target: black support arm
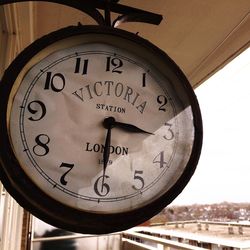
(90, 7)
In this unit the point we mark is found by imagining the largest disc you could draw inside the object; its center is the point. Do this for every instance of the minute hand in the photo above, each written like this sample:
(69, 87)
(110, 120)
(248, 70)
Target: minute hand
(130, 128)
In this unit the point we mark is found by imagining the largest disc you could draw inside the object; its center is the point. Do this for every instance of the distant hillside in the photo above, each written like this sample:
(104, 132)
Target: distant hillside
(213, 212)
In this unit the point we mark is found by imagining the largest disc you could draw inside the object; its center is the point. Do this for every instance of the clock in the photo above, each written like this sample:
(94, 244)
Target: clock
(100, 129)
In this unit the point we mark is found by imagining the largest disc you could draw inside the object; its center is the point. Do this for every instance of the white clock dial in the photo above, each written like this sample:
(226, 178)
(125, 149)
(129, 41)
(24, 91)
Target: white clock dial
(57, 119)
(100, 129)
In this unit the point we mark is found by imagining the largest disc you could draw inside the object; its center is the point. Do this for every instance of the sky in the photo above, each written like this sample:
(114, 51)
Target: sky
(223, 171)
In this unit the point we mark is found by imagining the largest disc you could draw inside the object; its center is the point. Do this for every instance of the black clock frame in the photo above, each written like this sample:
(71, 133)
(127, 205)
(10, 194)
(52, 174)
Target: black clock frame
(53, 212)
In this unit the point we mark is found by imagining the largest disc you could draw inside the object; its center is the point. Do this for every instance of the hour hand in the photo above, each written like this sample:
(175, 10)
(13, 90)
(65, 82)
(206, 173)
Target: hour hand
(111, 122)
(108, 123)
(130, 128)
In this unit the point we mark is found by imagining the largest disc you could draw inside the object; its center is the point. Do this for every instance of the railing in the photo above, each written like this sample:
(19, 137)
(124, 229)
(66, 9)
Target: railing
(148, 238)
(135, 241)
(222, 223)
(230, 225)
(129, 240)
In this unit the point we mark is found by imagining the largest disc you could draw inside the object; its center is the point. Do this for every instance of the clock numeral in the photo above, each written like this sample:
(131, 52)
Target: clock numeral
(100, 187)
(55, 82)
(34, 107)
(114, 63)
(162, 100)
(41, 148)
(170, 134)
(65, 165)
(84, 67)
(139, 179)
(159, 159)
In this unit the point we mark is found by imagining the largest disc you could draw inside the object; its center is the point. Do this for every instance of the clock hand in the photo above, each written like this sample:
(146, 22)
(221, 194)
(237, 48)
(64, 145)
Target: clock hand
(125, 126)
(108, 123)
(130, 128)
(106, 151)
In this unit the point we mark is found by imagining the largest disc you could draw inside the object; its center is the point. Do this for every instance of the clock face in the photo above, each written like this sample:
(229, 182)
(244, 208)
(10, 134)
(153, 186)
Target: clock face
(57, 109)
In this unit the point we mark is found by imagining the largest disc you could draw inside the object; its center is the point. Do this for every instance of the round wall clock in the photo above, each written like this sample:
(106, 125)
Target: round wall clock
(100, 130)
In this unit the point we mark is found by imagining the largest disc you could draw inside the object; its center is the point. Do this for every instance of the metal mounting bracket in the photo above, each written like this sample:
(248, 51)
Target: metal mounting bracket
(92, 7)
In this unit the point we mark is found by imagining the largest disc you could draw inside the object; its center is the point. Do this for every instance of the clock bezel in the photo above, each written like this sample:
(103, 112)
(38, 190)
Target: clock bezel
(46, 208)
